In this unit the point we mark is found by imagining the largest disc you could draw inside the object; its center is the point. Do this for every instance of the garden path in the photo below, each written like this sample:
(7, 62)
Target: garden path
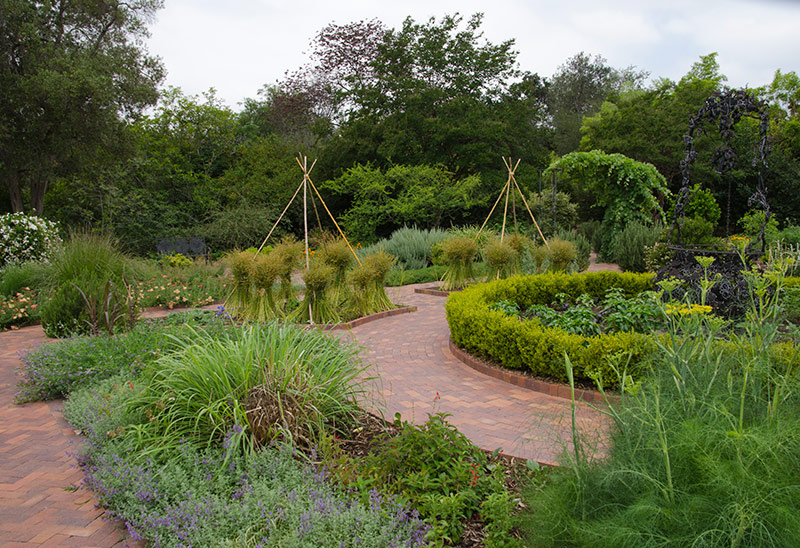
(39, 506)
(419, 375)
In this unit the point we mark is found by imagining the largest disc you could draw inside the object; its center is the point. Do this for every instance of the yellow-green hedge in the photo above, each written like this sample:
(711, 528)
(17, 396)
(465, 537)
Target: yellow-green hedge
(530, 346)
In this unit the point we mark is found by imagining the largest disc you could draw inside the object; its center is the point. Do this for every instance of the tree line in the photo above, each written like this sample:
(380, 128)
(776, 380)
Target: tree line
(407, 124)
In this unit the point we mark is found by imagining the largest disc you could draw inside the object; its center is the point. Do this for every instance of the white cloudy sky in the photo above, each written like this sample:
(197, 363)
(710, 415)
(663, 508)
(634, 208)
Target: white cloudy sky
(237, 46)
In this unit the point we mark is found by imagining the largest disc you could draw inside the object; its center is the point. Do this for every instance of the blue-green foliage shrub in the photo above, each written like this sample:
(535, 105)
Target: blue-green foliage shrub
(26, 238)
(218, 496)
(628, 248)
(410, 246)
(540, 350)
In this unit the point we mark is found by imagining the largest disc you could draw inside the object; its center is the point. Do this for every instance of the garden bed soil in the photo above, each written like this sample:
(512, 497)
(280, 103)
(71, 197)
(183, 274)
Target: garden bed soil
(370, 430)
(583, 391)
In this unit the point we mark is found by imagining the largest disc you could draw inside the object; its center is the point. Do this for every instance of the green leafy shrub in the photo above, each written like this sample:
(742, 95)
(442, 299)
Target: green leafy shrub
(701, 204)
(752, 222)
(177, 260)
(382, 201)
(529, 345)
(582, 247)
(433, 466)
(561, 254)
(696, 231)
(459, 254)
(542, 208)
(26, 238)
(82, 266)
(628, 248)
(241, 226)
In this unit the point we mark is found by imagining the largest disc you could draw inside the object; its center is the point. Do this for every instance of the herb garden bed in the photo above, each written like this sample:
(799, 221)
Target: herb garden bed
(531, 346)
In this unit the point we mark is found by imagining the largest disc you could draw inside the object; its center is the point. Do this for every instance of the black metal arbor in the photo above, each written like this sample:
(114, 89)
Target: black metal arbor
(726, 108)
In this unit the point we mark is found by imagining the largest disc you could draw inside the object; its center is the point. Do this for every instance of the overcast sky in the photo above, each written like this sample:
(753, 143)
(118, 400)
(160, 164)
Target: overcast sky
(237, 46)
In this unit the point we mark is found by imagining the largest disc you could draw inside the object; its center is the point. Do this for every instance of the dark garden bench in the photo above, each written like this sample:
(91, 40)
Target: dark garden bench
(188, 247)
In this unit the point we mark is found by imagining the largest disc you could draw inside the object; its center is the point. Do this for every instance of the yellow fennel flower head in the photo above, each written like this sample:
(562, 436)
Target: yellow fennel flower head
(687, 309)
(705, 262)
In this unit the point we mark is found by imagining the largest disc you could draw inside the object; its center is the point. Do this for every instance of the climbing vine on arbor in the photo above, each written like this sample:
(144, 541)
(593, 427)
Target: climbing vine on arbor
(628, 190)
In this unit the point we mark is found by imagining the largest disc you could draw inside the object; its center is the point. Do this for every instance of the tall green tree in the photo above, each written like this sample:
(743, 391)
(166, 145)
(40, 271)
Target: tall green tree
(578, 88)
(72, 74)
(432, 93)
(649, 125)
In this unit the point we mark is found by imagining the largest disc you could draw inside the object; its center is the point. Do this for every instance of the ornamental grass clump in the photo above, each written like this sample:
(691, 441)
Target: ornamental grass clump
(263, 272)
(562, 253)
(82, 266)
(290, 253)
(337, 255)
(316, 306)
(540, 256)
(458, 254)
(367, 295)
(239, 302)
(378, 265)
(503, 260)
(200, 391)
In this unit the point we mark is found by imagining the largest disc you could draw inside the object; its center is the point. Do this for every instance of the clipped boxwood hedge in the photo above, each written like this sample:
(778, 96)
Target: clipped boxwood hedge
(530, 346)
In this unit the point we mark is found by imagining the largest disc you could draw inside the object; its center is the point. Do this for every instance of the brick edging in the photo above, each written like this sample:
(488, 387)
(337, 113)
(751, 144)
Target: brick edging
(524, 381)
(431, 291)
(365, 319)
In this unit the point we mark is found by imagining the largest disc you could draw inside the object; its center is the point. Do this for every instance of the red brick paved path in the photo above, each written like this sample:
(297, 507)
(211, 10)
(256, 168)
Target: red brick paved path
(38, 506)
(410, 353)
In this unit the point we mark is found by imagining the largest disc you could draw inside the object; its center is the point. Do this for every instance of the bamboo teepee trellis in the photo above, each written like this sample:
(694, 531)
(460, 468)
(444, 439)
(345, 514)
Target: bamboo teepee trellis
(302, 161)
(507, 192)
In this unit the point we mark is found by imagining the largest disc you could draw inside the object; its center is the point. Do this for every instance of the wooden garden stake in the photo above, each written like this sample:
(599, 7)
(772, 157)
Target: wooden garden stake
(507, 190)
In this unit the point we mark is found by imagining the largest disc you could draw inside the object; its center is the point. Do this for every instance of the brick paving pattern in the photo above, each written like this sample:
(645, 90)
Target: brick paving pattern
(40, 507)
